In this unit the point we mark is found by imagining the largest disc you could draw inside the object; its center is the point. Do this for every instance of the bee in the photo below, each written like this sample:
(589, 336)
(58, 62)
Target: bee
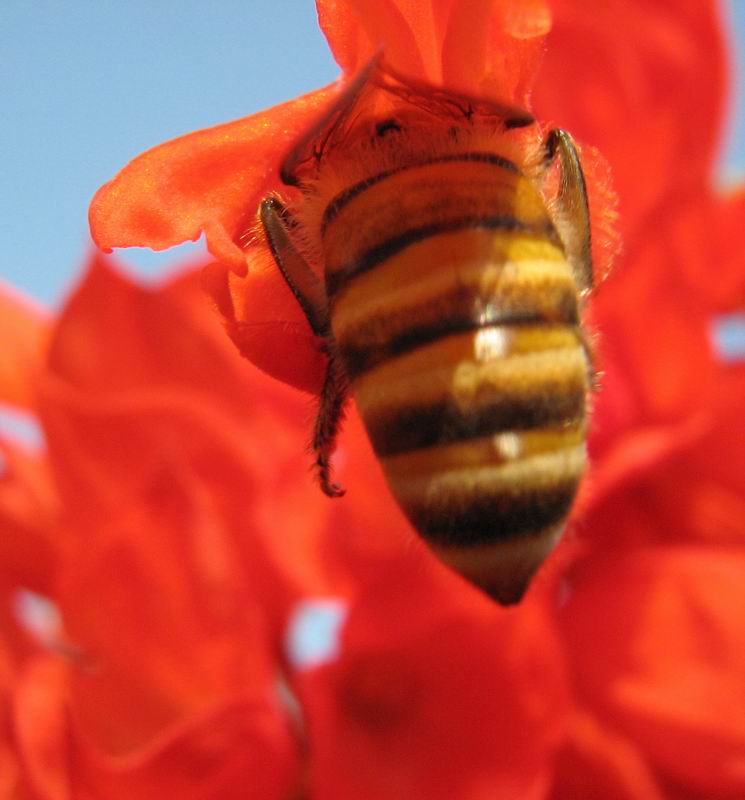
(447, 292)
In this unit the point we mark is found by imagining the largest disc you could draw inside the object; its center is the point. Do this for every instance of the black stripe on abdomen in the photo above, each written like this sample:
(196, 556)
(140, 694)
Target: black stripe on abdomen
(457, 317)
(344, 198)
(493, 514)
(336, 280)
(409, 427)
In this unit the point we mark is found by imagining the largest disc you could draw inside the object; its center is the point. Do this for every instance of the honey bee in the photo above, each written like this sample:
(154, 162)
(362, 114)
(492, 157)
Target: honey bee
(450, 307)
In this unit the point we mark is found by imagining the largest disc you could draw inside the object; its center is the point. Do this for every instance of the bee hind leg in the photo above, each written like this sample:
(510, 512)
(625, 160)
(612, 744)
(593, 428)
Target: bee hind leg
(311, 295)
(330, 415)
(574, 223)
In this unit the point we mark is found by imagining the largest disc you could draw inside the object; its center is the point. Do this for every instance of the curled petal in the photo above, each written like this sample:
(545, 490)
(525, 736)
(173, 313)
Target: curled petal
(210, 181)
(265, 320)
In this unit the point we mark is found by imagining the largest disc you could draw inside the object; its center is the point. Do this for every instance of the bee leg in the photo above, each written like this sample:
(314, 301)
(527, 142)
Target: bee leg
(322, 129)
(311, 295)
(330, 415)
(307, 288)
(574, 210)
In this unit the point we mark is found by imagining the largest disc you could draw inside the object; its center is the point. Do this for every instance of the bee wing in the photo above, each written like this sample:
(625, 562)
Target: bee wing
(301, 279)
(573, 208)
(441, 102)
(329, 120)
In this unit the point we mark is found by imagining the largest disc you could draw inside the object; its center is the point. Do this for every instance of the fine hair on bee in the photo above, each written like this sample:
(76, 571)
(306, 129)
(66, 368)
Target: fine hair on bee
(441, 253)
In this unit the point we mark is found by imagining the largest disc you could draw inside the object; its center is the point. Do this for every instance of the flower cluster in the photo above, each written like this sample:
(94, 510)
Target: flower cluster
(185, 615)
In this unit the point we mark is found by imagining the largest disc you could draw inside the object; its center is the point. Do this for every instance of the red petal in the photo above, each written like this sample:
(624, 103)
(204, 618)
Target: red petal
(115, 335)
(493, 49)
(652, 100)
(659, 649)
(24, 330)
(144, 385)
(597, 762)
(173, 628)
(645, 314)
(711, 233)
(10, 773)
(404, 711)
(265, 321)
(40, 728)
(356, 28)
(237, 750)
(489, 48)
(30, 543)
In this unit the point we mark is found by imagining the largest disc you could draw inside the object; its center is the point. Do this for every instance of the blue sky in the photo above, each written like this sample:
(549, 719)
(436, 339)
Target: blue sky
(88, 84)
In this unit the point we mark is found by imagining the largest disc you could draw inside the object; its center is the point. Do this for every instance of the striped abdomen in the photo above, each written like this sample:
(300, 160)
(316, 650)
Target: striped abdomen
(456, 314)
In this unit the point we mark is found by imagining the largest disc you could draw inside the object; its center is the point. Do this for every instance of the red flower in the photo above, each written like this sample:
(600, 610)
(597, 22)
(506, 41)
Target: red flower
(163, 678)
(175, 588)
(427, 690)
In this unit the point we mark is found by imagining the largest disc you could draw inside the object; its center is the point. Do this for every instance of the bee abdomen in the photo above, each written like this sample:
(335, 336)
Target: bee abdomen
(460, 334)
(484, 456)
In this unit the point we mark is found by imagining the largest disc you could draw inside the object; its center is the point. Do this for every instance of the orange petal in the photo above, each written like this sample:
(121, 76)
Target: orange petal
(210, 181)
(24, 328)
(355, 29)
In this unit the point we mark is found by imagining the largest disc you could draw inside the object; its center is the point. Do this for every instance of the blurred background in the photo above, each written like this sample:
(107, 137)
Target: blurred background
(87, 85)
